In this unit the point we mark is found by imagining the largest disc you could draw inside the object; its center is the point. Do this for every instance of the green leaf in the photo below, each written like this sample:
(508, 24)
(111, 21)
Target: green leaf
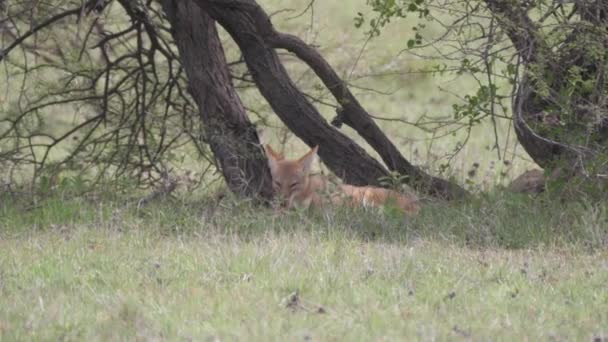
(359, 20)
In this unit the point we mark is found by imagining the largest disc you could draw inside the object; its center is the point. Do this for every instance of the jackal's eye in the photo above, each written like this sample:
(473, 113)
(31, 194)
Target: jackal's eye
(293, 185)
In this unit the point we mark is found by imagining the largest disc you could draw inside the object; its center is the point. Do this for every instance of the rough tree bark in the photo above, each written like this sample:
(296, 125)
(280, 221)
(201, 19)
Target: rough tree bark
(232, 137)
(253, 32)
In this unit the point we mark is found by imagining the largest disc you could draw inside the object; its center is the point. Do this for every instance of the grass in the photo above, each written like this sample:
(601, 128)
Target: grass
(499, 268)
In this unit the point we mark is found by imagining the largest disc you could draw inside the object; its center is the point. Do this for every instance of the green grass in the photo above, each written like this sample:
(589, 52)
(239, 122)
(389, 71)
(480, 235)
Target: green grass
(501, 268)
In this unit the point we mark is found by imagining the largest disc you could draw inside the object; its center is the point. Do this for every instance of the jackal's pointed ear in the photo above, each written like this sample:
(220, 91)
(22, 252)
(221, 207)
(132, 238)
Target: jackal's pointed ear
(272, 154)
(273, 158)
(307, 160)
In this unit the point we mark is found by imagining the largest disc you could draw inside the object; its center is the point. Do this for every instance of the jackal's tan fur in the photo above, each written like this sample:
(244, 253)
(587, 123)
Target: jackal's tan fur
(295, 187)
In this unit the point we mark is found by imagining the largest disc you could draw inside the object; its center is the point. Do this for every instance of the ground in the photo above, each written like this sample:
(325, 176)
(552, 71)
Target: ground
(500, 269)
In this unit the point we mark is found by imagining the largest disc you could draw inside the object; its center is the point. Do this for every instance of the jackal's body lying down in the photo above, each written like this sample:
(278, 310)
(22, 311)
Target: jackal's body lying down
(295, 187)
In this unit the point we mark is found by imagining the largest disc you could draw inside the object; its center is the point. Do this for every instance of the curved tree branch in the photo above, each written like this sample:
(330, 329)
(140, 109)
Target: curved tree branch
(522, 31)
(345, 158)
(252, 30)
(87, 7)
(545, 81)
(355, 116)
(133, 106)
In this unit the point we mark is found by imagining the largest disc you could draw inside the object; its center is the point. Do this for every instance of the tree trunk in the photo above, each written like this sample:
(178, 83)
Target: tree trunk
(253, 32)
(232, 137)
(559, 121)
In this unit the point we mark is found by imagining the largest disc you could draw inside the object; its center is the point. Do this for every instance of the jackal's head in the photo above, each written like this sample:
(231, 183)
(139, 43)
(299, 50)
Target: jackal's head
(290, 177)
